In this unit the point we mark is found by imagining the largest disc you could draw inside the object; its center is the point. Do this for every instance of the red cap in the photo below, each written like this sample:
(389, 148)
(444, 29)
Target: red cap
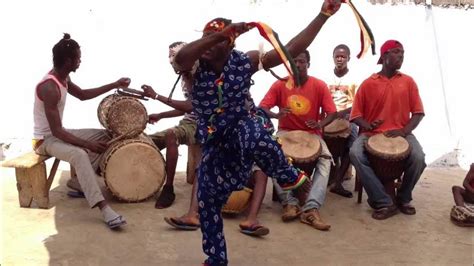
(388, 45)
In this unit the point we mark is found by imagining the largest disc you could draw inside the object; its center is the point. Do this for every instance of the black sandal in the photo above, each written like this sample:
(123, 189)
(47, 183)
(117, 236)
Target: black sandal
(341, 191)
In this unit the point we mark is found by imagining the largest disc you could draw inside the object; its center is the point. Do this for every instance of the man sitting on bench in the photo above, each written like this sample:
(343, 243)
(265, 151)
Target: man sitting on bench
(81, 147)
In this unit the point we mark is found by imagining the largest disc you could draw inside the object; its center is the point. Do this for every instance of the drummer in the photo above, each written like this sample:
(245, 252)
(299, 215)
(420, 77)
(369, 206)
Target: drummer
(343, 85)
(81, 147)
(299, 109)
(377, 108)
(171, 138)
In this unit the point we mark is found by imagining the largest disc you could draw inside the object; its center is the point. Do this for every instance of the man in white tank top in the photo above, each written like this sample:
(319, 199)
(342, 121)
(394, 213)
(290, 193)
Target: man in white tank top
(82, 147)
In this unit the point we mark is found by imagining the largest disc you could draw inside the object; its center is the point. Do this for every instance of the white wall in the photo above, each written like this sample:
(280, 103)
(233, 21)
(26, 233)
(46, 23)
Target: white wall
(119, 38)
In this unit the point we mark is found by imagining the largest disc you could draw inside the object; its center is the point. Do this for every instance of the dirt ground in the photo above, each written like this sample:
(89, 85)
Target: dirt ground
(69, 233)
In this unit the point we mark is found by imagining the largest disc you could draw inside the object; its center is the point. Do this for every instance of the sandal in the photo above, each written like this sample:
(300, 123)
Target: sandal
(166, 198)
(385, 212)
(116, 222)
(407, 208)
(176, 223)
(254, 230)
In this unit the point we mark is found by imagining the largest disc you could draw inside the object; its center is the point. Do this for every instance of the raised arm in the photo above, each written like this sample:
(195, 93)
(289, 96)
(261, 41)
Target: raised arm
(87, 94)
(49, 93)
(301, 41)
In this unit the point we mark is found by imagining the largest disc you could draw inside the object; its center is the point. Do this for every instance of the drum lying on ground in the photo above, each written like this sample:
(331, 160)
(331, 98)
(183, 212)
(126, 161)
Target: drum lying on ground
(133, 169)
(122, 115)
(238, 201)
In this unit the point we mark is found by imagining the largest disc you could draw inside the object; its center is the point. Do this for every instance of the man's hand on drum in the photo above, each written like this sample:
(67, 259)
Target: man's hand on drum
(395, 133)
(122, 83)
(375, 124)
(330, 7)
(283, 112)
(148, 91)
(313, 124)
(153, 118)
(96, 146)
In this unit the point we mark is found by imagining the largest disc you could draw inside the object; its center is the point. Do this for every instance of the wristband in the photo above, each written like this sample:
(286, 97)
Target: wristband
(327, 14)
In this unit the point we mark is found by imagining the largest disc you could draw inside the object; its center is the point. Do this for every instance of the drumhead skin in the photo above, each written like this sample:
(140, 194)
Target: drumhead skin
(300, 145)
(337, 126)
(133, 169)
(122, 115)
(388, 148)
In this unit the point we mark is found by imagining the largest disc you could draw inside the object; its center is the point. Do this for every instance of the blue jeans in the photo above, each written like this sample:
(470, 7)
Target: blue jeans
(377, 197)
(320, 178)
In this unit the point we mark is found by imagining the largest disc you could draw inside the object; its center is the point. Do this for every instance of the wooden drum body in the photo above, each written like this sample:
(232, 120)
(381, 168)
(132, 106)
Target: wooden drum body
(336, 135)
(122, 115)
(387, 156)
(238, 201)
(133, 169)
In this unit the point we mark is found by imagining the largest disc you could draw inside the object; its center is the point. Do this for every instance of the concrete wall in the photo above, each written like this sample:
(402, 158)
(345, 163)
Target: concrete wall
(119, 38)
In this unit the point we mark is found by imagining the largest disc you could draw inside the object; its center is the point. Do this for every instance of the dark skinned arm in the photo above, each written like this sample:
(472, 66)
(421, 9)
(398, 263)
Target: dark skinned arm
(87, 94)
(183, 106)
(50, 95)
(412, 124)
(153, 118)
(467, 181)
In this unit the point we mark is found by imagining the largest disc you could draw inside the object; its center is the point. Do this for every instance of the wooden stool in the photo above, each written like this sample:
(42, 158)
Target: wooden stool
(194, 157)
(390, 187)
(32, 183)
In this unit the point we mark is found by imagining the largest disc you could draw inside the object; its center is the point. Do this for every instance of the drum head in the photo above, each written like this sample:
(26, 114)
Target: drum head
(337, 126)
(134, 170)
(389, 148)
(127, 116)
(103, 109)
(300, 145)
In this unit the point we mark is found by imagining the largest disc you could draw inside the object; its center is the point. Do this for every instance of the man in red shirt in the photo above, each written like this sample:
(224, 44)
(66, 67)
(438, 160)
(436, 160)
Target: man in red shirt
(299, 109)
(388, 102)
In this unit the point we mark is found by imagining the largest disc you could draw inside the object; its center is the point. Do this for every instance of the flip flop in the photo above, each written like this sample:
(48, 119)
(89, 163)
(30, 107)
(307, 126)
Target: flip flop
(75, 194)
(174, 222)
(254, 230)
(116, 222)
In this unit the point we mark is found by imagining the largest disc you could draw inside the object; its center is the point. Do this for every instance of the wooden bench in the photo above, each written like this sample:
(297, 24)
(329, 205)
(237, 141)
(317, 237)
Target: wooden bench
(31, 180)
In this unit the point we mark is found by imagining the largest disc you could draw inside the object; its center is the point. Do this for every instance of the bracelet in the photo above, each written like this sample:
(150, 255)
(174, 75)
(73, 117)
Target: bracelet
(156, 97)
(327, 14)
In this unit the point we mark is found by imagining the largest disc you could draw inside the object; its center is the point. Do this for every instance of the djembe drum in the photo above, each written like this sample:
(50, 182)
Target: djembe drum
(133, 169)
(123, 116)
(303, 149)
(336, 136)
(387, 156)
(238, 201)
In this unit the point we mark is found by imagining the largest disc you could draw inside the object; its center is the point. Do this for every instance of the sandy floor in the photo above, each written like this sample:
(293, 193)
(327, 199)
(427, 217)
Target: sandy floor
(69, 233)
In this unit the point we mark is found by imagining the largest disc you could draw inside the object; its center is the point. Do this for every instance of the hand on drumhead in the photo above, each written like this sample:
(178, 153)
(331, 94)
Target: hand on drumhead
(313, 124)
(153, 118)
(283, 112)
(330, 7)
(123, 83)
(395, 133)
(97, 146)
(148, 91)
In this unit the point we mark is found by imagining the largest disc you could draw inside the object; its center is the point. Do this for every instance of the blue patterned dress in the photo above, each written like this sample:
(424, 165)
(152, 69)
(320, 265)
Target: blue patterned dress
(233, 137)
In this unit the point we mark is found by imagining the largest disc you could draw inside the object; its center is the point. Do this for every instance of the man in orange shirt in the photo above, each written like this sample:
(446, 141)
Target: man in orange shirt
(388, 102)
(299, 109)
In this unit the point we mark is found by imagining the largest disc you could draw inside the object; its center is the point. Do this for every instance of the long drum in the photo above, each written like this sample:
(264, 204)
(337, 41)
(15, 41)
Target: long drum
(387, 156)
(122, 115)
(133, 169)
(300, 146)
